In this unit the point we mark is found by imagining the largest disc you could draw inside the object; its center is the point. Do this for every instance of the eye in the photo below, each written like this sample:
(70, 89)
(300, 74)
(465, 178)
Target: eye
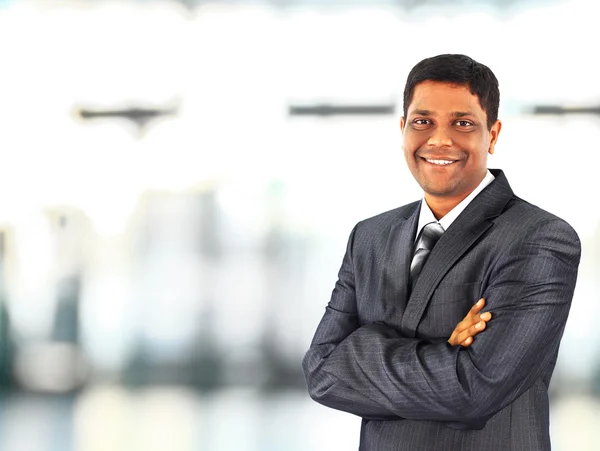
(464, 123)
(421, 124)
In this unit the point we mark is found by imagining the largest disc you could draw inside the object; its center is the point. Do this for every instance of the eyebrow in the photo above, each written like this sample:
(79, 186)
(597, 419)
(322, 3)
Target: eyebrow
(431, 113)
(462, 113)
(422, 113)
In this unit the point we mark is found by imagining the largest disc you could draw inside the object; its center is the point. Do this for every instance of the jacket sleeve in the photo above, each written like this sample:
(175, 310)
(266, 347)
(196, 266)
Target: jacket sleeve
(339, 322)
(373, 370)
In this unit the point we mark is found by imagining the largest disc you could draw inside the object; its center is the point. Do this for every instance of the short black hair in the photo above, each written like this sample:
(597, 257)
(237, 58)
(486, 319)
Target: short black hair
(460, 70)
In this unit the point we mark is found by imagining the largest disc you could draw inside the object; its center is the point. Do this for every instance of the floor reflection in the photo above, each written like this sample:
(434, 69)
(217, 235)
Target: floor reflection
(114, 418)
(160, 418)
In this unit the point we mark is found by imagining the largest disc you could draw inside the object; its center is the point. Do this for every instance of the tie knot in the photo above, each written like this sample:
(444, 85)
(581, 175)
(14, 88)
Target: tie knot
(430, 234)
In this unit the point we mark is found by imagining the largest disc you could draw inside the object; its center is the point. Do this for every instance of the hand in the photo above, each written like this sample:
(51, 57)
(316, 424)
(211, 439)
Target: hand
(470, 326)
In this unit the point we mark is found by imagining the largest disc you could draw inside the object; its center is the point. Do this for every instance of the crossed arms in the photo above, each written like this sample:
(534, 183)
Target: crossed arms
(376, 373)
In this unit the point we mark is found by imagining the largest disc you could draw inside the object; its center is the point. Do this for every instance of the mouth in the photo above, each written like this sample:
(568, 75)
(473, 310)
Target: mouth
(439, 162)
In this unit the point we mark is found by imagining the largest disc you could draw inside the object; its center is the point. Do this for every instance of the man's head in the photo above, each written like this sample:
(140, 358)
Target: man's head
(458, 70)
(450, 126)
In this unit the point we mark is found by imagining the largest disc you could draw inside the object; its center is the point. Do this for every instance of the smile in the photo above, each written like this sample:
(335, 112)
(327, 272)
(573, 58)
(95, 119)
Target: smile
(440, 162)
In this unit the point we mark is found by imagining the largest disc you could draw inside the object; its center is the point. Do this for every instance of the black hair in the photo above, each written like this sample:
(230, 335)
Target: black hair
(460, 70)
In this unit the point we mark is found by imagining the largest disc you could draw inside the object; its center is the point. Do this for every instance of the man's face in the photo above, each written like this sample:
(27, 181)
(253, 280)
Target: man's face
(446, 139)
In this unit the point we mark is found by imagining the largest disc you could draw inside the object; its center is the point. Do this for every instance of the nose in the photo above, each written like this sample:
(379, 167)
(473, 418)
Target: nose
(440, 138)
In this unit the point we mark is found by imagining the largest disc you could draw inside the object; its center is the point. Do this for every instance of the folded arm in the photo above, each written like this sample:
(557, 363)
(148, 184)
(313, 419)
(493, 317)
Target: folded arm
(374, 372)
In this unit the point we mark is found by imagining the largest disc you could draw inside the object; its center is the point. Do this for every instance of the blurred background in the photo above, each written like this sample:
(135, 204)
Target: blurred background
(178, 180)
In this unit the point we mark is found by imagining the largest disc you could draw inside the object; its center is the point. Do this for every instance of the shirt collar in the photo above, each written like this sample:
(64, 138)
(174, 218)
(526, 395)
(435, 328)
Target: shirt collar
(426, 215)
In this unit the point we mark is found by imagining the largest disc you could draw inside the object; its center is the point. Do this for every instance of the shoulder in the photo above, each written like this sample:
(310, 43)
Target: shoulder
(388, 218)
(374, 231)
(530, 222)
(516, 217)
(531, 215)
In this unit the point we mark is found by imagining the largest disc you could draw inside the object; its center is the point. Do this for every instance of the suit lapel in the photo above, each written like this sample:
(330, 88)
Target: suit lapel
(398, 254)
(468, 227)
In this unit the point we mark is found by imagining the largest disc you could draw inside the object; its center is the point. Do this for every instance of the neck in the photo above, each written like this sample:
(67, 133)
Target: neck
(440, 206)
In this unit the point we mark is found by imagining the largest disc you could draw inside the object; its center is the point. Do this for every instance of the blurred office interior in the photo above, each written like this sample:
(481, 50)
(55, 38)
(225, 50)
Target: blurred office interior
(179, 179)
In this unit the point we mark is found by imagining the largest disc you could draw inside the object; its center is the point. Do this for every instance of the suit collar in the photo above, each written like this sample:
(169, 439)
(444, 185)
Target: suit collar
(468, 227)
(493, 199)
(409, 211)
(426, 215)
(398, 254)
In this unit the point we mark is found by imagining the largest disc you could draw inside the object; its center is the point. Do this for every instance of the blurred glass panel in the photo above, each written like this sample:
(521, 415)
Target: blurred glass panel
(166, 276)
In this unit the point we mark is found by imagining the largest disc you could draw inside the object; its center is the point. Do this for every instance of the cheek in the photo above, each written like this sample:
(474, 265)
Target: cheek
(411, 143)
(464, 140)
(409, 153)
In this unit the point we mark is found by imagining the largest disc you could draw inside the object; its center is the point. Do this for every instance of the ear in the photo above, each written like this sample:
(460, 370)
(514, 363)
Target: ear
(494, 132)
(402, 124)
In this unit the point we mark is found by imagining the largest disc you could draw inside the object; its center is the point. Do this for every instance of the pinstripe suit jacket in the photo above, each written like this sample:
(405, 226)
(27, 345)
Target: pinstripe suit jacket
(382, 354)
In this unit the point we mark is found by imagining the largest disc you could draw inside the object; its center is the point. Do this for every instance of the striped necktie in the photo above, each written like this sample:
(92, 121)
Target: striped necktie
(430, 234)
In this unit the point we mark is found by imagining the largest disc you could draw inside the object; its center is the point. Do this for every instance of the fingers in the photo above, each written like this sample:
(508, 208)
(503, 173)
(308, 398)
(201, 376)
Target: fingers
(472, 318)
(465, 338)
(470, 332)
(476, 308)
(467, 342)
(471, 325)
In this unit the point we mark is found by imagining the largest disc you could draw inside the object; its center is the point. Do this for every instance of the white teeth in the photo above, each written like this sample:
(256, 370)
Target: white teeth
(441, 162)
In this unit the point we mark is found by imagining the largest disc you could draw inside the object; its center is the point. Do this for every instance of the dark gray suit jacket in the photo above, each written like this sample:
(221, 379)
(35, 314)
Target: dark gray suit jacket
(383, 354)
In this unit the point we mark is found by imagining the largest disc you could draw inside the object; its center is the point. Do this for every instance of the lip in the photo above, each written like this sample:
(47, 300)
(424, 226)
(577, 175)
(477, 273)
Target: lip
(436, 158)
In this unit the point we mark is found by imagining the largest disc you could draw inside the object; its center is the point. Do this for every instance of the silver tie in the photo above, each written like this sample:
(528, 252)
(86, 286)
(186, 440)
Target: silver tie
(430, 234)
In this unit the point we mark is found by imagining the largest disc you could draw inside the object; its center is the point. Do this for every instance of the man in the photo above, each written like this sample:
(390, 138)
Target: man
(391, 346)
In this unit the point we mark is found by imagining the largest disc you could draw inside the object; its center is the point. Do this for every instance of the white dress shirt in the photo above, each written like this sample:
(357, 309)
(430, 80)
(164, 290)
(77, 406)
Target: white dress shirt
(426, 215)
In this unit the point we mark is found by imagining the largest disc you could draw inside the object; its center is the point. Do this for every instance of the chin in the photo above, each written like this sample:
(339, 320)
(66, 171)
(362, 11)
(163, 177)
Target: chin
(439, 193)
(438, 190)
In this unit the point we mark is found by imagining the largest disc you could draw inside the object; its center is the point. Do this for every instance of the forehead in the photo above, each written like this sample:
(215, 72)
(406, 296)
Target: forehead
(444, 98)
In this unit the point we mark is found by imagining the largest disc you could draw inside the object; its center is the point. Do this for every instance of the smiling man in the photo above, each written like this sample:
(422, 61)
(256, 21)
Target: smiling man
(447, 138)
(401, 343)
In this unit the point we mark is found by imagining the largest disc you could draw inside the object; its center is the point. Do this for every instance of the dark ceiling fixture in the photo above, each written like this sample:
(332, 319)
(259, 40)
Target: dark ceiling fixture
(139, 116)
(558, 110)
(326, 110)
